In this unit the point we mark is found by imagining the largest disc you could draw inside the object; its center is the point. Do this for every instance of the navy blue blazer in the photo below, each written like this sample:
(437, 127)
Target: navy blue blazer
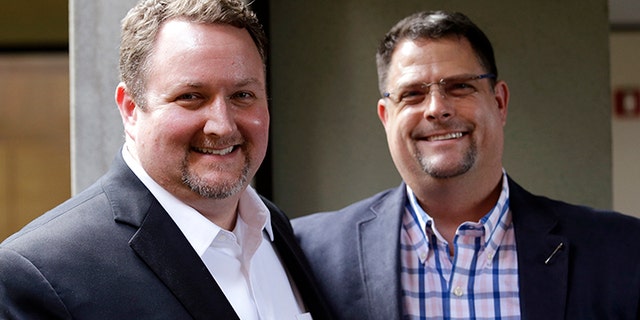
(112, 252)
(354, 253)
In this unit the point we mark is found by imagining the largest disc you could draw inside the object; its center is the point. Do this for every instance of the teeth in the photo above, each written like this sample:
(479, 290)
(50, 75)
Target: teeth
(220, 152)
(454, 135)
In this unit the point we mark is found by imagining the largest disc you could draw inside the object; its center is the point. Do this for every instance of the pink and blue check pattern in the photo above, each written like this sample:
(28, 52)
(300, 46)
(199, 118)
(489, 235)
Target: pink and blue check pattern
(479, 282)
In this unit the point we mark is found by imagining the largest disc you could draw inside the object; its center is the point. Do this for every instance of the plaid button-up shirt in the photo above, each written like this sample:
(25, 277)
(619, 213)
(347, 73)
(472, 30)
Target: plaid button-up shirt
(479, 282)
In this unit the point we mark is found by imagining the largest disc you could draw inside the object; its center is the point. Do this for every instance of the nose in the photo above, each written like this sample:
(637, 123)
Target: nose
(220, 119)
(438, 107)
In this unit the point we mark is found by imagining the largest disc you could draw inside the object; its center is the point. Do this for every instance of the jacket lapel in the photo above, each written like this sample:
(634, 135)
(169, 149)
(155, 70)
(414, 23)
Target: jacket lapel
(378, 243)
(162, 246)
(543, 257)
(167, 252)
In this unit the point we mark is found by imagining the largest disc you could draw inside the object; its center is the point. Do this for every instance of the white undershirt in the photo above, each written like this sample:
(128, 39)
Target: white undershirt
(263, 292)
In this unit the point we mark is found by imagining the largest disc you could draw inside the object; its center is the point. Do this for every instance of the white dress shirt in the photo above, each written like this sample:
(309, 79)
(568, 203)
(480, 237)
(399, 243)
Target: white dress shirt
(243, 262)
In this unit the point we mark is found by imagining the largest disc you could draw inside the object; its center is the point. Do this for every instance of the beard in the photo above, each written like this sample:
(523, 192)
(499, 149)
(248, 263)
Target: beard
(437, 171)
(215, 190)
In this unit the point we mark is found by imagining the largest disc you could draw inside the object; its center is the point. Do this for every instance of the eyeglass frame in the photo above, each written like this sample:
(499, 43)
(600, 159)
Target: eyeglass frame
(443, 81)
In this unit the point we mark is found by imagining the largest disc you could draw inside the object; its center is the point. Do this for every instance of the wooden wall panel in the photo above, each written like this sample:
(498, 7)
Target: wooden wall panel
(34, 137)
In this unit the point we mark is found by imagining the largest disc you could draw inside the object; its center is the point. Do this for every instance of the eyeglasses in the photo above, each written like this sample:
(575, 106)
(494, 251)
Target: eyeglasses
(451, 87)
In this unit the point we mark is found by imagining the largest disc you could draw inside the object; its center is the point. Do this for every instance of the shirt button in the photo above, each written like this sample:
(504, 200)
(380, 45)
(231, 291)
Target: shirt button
(458, 292)
(423, 256)
(490, 256)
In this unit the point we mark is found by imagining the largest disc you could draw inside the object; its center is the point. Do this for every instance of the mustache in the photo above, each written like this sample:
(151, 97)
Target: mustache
(217, 142)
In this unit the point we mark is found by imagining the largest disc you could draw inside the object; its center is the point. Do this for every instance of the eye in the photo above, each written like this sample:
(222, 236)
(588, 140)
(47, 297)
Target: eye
(189, 100)
(459, 88)
(412, 95)
(243, 97)
(188, 96)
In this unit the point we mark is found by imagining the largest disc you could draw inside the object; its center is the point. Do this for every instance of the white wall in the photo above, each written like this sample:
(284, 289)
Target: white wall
(625, 72)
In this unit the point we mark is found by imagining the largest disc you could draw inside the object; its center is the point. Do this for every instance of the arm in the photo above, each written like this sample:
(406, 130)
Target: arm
(24, 292)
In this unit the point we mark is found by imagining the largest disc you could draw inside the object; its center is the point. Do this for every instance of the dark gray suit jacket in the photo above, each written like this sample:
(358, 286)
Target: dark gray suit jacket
(355, 256)
(112, 252)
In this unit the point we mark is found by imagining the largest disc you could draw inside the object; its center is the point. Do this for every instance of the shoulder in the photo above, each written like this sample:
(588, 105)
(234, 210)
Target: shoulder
(325, 228)
(83, 223)
(578, 221)
(61, 220)
(354, 212)
(117, 195)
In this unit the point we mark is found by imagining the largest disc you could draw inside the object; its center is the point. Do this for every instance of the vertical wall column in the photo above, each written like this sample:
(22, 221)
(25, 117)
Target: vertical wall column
(96, 128)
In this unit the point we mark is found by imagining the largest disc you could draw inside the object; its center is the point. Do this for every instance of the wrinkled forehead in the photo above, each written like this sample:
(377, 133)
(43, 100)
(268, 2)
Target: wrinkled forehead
(429, 60)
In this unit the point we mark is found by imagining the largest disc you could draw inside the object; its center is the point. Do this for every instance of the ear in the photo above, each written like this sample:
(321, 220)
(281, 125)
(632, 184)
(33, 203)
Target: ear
(128, 109)
(382, 111)
(502, 99)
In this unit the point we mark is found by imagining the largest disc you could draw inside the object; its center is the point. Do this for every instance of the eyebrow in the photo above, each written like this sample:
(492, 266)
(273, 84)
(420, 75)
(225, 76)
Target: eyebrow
(199, 84)
(411, 85)
(416, 83)
(187, 84)
(248, 81)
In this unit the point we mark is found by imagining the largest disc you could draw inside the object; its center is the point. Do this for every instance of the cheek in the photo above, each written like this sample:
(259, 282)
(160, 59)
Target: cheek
(492, 130)
(256, 127)
(398, 129)
(260, 123)
(162, 127)
(390, 129)
(402, 124)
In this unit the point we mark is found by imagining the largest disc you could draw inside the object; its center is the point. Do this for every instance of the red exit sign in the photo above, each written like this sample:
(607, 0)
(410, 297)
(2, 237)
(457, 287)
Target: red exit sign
(626, 102)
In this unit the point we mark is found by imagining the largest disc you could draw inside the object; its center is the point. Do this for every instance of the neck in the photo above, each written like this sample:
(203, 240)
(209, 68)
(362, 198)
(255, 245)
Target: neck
(451, 202)
(222, 212)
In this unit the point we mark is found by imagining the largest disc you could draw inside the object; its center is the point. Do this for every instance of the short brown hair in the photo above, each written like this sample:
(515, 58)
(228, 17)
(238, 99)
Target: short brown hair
(141, 25)
(434, 25)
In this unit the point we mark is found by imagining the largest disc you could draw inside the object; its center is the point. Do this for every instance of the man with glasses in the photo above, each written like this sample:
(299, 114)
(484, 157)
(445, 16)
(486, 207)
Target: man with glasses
(459, 239)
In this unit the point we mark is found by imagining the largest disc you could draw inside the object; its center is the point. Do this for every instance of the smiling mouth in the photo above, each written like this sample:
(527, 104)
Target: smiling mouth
(448, 136)
(219, 152)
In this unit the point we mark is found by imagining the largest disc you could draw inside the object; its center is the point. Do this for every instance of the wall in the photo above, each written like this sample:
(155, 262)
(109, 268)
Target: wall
(34, 137)
(34, 112)
(329, 147)
(33, 24)
(625, 72)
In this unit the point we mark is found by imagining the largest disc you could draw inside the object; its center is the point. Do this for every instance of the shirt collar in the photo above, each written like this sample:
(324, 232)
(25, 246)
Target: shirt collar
(489, 222)
(199, 230)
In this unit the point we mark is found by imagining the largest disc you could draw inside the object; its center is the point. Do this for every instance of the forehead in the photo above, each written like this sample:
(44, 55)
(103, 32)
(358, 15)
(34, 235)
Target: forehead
(189, 47)
(428, 60)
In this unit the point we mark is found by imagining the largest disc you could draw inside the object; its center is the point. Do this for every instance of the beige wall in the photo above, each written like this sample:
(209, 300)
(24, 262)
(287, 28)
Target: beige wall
(625, 72)
(34, 137)
(329, 148)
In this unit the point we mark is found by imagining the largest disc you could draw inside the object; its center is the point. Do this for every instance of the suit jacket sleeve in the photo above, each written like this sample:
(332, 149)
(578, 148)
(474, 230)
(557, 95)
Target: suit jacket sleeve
(24, 292)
